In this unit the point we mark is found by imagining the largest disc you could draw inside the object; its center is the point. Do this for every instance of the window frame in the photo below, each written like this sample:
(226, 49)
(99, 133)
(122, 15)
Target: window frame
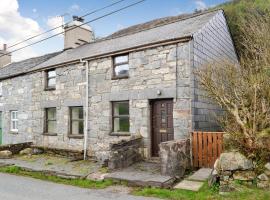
(122, 133)
(114, 76)
(47, 78)
(16, 120)
(46, 120)
(70, 134)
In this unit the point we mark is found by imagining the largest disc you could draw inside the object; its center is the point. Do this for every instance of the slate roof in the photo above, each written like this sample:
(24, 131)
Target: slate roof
(24, 66)
(147, 33)
(155, 31)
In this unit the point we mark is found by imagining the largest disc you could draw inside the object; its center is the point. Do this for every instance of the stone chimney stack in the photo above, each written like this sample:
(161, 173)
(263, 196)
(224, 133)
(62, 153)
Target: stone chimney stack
(77, 34)
(5, 58)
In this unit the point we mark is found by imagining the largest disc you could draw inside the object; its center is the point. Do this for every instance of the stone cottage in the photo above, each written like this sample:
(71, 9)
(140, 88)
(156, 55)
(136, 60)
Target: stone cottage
(137, 81)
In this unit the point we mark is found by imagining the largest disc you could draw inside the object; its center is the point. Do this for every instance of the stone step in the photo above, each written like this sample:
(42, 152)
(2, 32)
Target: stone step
(200, 175)
(143, 179)
(189, 185)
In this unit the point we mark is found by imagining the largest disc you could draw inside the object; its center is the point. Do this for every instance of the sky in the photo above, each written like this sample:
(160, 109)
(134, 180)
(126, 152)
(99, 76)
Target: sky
(21, 19)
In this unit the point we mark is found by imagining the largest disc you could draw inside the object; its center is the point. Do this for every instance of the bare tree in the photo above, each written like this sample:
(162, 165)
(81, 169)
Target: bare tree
(243, 89)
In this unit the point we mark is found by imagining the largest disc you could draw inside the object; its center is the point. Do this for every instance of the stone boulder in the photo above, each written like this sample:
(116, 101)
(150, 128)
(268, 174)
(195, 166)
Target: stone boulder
(27, 151)
(36, 151)
(267, 169)
(244, 175)
(263, 177)
(234, 161)
(5, 154)
(175, 157)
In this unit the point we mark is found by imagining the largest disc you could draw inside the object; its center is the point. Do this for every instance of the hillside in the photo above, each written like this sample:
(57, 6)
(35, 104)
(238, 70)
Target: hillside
(237, 10)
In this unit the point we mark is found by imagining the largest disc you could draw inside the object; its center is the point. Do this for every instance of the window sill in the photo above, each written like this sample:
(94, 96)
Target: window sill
(120, 134)
(120, 77)
(50, 134)
(49, 89)
(14, 132)
(76, 136)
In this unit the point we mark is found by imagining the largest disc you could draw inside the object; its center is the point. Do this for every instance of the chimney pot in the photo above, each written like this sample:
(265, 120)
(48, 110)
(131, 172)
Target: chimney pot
(4, 47)
(76, 18)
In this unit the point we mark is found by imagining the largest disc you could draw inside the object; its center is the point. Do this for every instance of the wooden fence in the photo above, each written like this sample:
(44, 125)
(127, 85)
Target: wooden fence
(206, 148)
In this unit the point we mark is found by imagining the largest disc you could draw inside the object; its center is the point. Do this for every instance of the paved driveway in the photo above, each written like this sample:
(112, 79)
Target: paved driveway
(23, 188)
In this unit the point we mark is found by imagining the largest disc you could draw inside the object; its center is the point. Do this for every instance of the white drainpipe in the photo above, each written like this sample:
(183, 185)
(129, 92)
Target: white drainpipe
(86, 109)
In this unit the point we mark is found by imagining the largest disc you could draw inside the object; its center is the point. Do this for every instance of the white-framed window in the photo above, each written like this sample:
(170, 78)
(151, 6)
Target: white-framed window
(1, 89)
(50, 79)
(121, 66)
(14, 121)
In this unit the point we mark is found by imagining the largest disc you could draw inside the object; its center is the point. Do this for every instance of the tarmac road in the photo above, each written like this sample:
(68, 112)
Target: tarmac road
(24, 188)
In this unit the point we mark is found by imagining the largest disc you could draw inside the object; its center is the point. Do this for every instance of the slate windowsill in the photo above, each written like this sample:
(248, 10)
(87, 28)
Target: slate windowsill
(120, 134)
(14, 132)
(50, 134)
(76, 136)
(50, 88)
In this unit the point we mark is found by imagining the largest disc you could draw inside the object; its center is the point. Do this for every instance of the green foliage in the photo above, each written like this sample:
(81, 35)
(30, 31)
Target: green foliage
(42, 176)
(237, 10)
(205, 193)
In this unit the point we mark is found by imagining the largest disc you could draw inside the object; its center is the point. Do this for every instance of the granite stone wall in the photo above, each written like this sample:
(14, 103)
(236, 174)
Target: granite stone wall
(27, 95)
(165, 69)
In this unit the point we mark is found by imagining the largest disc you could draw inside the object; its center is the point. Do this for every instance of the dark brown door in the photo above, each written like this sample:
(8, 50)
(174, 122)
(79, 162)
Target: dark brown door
(162, 123)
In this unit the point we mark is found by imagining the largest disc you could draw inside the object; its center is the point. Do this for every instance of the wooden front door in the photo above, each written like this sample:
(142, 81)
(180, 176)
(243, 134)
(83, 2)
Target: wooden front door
(162, 123)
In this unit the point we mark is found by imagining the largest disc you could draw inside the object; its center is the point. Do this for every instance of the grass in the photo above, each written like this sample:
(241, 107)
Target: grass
(83, 183)
(205, 193)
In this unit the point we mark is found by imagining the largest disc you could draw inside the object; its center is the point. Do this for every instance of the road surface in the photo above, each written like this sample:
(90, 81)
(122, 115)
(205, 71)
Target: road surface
(24, 188)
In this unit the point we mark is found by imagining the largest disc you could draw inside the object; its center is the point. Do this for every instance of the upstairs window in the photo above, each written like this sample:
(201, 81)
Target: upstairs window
(50, 114)
(120, 66)
(50, 79)
(76, 121)
(120, 117)
(14, 121)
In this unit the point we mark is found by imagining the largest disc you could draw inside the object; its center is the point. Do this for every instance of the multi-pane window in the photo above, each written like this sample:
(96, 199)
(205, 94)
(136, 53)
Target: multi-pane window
(50, 114)
(120, 116)
(76, 121)
(50, 79)
(120, 66)
(14, 121)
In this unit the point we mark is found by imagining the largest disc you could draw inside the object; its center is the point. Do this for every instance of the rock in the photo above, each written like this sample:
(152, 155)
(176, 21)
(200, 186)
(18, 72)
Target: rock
(27, 151)
(5, 154)
(263, 184)
(213, 178)
(175, 157)
(267, 167)
(36, 151)
(217, 165)
(244, 175)
(223, 189)
(263, 177)
(234, 161)
(98, 176)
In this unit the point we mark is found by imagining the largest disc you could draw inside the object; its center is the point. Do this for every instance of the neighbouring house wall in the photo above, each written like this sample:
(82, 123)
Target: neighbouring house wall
(27, 95)
(213, 43)
(149, 71)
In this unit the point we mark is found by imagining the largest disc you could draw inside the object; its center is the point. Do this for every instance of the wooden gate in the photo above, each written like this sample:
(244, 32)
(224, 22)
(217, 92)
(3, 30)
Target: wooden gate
(206, 148)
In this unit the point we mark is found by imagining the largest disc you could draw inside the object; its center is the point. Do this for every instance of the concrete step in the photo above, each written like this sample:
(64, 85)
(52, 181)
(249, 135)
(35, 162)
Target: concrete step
(143, 179)
(189, 185)
(200, 175)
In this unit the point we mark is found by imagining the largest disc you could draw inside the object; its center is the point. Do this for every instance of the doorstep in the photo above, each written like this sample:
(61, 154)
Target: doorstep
(142, 174)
